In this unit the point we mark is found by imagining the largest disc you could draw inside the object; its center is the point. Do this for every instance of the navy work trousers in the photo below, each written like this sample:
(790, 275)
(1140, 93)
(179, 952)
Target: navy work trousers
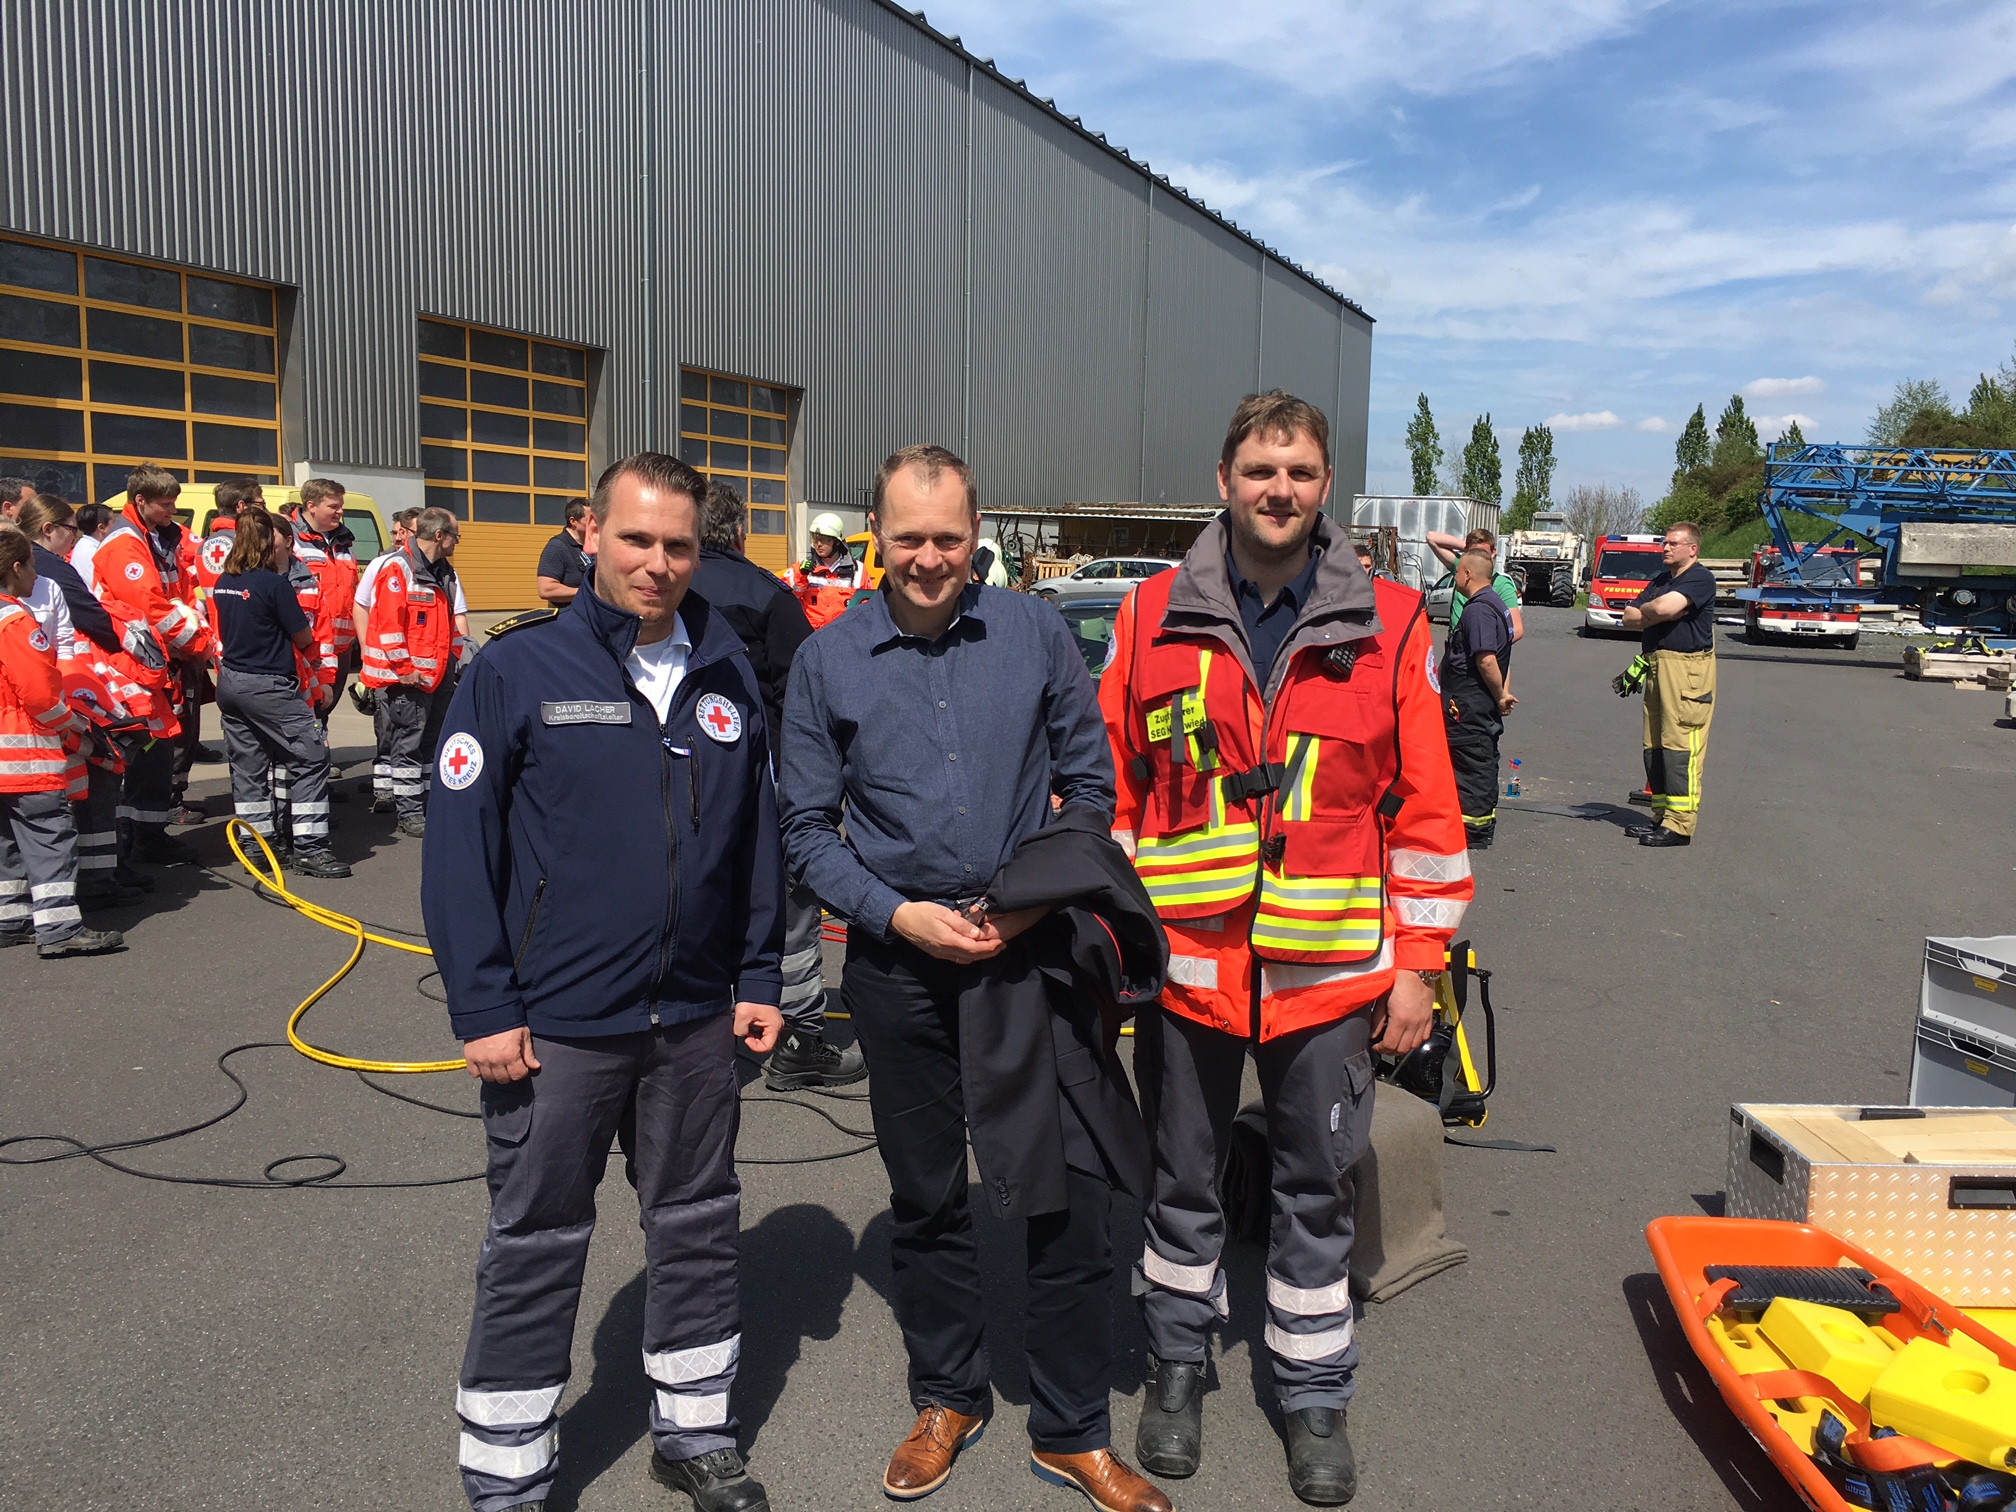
(670, 1098)
(906, 1014)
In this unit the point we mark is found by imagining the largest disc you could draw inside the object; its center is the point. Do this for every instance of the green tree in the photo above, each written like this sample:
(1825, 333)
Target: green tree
(1533, 481)
(1991, 406)
(1424, 446)
(1914, 399)
(1735, 435)
(1793, 435)
(1693, 449)
(1483, 468)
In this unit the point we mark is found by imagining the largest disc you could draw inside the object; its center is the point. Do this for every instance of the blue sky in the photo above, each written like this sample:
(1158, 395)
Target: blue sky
(1593, 212)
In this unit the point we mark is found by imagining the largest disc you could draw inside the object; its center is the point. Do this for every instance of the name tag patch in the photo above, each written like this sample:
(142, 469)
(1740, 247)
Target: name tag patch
(584, 712)
(1193, 719)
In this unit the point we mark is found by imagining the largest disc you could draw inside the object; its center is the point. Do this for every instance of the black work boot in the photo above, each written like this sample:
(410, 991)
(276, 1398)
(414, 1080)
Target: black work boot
(1321, 1471)
(320, 862)
(717, 1482)
(412, 824)
(127, 876)
(101, 890)
(156, 847)
(84, 942)
(1169, 1439)
(804, 1059)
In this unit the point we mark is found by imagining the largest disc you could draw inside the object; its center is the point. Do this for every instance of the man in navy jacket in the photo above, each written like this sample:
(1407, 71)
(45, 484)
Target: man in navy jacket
(603, 889)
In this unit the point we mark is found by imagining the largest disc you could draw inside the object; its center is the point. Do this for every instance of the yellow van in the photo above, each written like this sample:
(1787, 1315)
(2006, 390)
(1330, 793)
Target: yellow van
(195, 506)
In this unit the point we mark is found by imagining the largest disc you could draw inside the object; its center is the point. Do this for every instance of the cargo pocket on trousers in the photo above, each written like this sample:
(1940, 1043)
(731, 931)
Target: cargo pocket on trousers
(507, 1111)
(1351, 1115)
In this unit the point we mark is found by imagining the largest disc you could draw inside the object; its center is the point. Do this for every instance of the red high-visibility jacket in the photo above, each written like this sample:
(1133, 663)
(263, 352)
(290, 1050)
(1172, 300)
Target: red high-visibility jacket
(1315, 832)
(39, 731)
(335, 568)
(411, 626)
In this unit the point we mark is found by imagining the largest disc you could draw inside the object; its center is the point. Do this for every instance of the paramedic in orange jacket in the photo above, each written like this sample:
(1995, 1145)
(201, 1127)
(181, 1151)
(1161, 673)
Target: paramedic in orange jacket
(410, 644)
(1285, 790)
(137, 575)
(39, 735)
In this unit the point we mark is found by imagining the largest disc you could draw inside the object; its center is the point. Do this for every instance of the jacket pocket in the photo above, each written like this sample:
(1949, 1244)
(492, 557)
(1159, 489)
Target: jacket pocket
(507, 1111)
(1076, 1067)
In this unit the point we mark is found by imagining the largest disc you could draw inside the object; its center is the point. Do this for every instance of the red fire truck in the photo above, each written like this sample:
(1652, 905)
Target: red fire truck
(1625, 564)
(1828, 568)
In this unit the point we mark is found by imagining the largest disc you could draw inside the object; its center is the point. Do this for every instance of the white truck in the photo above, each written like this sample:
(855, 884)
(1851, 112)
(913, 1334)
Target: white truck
(1548, 563)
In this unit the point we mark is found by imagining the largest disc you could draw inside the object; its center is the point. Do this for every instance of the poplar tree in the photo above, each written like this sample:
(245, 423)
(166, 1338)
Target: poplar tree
(1693, 449)
(1483, 469)
(1424, 446)
(1533, 482)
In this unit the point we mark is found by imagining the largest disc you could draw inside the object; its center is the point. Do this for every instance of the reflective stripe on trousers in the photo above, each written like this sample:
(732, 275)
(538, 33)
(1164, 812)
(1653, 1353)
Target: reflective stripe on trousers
(38, 867)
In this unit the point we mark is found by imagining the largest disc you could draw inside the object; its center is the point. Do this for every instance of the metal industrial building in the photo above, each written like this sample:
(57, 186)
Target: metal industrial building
(465, 251)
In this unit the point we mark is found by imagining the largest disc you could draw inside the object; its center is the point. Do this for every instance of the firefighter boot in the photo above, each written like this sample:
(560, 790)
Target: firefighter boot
(1321, 1470)
(1169, 1439)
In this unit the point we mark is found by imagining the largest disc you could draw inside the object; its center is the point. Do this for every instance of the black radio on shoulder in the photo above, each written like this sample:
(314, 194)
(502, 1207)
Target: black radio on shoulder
(1340, 661)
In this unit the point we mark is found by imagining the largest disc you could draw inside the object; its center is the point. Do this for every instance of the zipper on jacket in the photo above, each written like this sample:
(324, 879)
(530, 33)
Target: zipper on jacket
(532, 918)
(672, 867)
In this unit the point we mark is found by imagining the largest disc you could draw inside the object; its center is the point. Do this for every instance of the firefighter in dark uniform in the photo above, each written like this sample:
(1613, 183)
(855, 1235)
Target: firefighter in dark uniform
(604, 889)
(1476, 661)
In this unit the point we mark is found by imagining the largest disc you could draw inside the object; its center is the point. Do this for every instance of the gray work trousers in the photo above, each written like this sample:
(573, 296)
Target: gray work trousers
(266, 723)
(670, 1098)
(38, 867)
(408, 722)
(804, 1000)
(1317, 1087)
(97, 821)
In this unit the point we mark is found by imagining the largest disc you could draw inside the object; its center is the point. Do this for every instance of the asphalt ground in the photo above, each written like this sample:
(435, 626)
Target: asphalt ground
(177, 1346)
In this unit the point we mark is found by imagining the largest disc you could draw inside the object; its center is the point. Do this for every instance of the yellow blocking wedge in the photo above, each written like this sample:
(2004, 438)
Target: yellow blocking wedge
(1956, 1401)
(1828, 1341)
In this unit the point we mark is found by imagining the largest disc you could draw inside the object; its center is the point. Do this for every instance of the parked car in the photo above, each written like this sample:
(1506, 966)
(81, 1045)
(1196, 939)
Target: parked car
(1441, 593)
(1091, 617)
(1108, 575)
(1625, 567)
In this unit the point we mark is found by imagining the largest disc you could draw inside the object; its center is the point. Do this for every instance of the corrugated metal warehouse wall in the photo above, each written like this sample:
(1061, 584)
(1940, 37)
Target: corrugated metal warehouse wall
(787, 183)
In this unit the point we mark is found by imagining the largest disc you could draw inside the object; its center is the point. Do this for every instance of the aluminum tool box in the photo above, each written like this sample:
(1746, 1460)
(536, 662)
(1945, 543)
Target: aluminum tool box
(1964, 1050)
(1931, 1190)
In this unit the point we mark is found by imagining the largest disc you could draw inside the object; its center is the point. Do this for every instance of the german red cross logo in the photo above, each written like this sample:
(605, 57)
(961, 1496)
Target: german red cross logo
(461, 761)
(719, 718)
(216, 551)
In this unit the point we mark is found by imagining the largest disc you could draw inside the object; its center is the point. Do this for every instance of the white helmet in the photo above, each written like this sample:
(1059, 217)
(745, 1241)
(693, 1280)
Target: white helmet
(828, 525)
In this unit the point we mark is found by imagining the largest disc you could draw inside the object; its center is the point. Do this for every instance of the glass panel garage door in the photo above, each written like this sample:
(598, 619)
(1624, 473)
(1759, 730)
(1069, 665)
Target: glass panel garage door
(503, 424)
(106, 362)
(734, 430)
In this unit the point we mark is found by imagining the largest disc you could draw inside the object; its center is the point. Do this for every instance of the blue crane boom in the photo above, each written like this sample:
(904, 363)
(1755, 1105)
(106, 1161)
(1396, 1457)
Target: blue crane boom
(1944, 519)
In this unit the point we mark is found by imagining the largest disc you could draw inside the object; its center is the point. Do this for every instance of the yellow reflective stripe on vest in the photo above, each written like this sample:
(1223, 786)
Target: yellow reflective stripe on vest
(1340, 916)
(1212, 866)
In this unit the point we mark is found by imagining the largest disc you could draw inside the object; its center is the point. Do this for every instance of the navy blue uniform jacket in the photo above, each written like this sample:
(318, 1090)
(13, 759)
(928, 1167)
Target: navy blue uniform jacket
(596, 873)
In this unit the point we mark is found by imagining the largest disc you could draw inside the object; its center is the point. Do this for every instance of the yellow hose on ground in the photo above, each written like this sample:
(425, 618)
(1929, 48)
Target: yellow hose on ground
(343, 924)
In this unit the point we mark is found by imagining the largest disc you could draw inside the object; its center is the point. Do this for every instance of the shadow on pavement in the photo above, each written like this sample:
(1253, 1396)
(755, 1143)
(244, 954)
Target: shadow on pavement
(797, 1272)
(1607, 813)
(1752, 1481)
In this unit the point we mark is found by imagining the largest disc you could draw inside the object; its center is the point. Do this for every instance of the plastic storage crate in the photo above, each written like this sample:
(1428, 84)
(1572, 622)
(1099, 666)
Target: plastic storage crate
(1964, 1049)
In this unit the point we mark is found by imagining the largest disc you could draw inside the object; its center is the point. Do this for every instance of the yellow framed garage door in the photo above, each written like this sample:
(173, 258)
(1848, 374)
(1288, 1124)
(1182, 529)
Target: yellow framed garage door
(504, 446)
(737, 431)
(107, 362)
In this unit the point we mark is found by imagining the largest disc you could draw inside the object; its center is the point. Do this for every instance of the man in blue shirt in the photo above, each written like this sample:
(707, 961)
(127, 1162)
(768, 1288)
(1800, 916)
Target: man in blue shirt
(1476, 661)
(938, 717)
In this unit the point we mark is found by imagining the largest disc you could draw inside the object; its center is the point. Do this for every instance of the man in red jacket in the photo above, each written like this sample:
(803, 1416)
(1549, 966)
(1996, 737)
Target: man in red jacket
(1285, 791)
(138, 575)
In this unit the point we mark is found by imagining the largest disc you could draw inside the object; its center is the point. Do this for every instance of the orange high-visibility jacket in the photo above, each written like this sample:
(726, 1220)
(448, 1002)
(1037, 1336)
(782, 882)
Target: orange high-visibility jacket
(1316, 834)
(316, 666)
(209, 564)
(411, 626)
(127, 572)
(335, 568)
(39, 730)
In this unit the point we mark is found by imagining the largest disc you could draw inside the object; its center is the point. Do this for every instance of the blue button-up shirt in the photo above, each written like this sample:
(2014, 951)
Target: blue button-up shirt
(942, 754)
(1267, 625)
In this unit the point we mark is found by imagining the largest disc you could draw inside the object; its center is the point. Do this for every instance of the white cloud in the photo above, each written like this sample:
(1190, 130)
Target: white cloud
(1782, 388)
(1592, 420)
(1654, 424)
(1771, 427)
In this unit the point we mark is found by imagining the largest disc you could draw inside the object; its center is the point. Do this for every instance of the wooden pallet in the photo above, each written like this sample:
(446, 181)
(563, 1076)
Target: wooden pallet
(1961, 669)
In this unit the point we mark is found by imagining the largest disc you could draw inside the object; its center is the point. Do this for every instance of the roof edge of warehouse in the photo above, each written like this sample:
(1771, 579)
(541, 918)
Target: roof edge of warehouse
(952, 44)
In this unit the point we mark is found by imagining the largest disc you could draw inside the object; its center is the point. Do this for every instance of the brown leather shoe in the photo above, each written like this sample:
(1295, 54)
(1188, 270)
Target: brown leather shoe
(1104, 1478)
(923, 1461)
